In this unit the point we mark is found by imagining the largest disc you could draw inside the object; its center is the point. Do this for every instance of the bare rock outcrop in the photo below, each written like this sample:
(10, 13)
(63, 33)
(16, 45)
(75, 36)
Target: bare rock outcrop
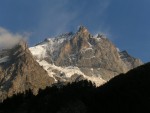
(21, 72)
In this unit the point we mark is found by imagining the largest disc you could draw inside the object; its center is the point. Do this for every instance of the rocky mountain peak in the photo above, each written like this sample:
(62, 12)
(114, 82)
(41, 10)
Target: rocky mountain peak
(91, 56)
(65, 58)
(23, 44)
(21, 72)
(130, 61)
(82, 29)
(83, 32)
(100, 35)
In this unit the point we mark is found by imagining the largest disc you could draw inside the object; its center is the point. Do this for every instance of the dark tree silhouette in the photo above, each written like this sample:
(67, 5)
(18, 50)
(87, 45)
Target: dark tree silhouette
(126, 93)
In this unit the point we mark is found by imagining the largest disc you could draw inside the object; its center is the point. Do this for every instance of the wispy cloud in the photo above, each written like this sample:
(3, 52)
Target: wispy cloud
(55, 17)
(100, 24)
(8, 39)
(59, 16)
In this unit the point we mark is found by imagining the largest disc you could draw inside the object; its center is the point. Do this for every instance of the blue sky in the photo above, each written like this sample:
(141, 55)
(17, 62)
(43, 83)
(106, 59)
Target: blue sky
(125, 22)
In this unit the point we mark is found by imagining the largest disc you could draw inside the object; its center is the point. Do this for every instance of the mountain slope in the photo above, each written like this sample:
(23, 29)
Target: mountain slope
(126, 93)
(20, 72)
(93, 56)
(130, 61)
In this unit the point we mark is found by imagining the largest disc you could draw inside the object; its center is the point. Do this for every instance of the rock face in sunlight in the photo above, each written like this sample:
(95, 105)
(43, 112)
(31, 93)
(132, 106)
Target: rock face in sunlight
(94, 57)
(130, 61)
(68, 58)
(19, 72)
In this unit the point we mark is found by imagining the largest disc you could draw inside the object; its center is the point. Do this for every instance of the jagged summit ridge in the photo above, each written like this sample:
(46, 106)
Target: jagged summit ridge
(130, 61)
(82, 29)
(66, 58)
(87, 55)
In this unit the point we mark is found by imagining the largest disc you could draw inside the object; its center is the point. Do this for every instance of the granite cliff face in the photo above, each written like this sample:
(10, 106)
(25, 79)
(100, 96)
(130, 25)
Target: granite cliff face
(19, 72)
(130, 61)
(94, 57)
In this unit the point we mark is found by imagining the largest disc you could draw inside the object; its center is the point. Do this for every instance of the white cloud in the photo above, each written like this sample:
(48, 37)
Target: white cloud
(8, 39)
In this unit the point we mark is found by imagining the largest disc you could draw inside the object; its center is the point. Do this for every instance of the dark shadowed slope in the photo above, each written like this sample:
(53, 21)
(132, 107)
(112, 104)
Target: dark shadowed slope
(126, 93)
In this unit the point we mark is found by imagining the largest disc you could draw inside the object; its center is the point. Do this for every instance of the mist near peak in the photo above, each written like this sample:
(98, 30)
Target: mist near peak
(9, 39)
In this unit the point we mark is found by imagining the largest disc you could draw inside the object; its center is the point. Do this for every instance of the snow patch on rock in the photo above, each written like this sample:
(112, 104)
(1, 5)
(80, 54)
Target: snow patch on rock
(4, 59)
(69, 71)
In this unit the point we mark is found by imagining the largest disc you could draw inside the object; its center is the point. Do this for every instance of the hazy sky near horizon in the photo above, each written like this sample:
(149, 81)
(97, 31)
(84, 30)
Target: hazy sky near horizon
(125, 22)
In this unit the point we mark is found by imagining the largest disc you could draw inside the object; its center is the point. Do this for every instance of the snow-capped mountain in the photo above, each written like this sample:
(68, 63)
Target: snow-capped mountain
(66, 58)
(75, 56)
